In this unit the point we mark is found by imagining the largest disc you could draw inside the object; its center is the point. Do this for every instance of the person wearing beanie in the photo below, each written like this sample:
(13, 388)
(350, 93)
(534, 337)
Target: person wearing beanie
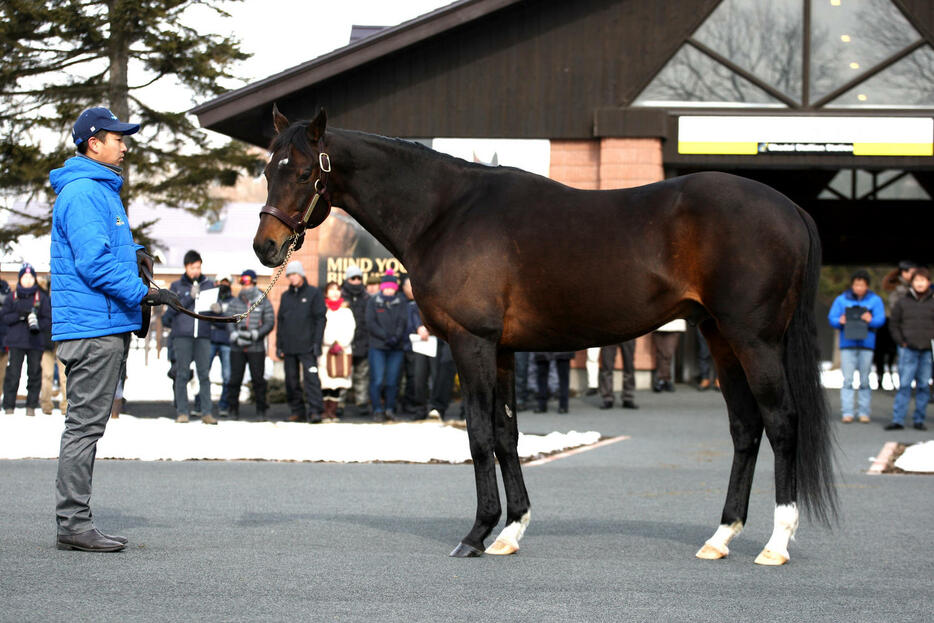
(27, 314)
(386, 319)
(301, 321)
(354, 293)
(97, 298)
(913, 330)
(372, 285)
(4, 350)
(191, 340)
(248, 345)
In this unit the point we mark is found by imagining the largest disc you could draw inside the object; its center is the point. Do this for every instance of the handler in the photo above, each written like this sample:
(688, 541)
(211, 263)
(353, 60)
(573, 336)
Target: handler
(96, 298)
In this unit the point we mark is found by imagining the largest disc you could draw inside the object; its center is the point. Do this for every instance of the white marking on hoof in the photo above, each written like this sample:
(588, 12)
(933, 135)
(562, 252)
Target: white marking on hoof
(508, 411)
(508, 540)
(716, 546)
(786, 523)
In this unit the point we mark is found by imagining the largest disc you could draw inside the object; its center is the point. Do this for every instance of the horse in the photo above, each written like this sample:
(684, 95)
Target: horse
(500, 259)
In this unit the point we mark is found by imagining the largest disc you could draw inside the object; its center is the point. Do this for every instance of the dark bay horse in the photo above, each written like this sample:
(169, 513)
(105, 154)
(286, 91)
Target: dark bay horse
(502, 260)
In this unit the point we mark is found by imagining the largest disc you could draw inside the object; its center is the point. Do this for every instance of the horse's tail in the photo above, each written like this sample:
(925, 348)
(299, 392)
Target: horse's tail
(814, 456)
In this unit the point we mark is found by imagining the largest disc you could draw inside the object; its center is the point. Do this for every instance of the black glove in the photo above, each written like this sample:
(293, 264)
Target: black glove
(158, 296)
(143, 259)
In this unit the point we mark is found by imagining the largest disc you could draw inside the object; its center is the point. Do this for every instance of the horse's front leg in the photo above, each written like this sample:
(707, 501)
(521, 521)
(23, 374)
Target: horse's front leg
(506, 431)
(476, 365)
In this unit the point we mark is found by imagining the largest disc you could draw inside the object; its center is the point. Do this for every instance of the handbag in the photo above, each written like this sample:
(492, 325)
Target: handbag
(339, 364)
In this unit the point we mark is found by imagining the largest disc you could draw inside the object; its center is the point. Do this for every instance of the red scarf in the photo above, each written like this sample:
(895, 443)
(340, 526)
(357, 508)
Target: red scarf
(334, 305)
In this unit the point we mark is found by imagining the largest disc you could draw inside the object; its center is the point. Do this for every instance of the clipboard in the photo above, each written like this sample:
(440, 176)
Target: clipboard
(855, 328)
(206, 298)
(427, 347)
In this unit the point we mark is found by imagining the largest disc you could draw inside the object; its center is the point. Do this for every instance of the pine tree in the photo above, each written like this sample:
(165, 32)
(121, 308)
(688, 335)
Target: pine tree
(60, 57)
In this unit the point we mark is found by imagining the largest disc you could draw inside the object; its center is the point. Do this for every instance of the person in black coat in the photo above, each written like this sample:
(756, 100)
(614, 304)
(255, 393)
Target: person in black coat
(353, 291)
(301, 319)
(27, 314)
(4, 351)
(563, 365)
(386, 319)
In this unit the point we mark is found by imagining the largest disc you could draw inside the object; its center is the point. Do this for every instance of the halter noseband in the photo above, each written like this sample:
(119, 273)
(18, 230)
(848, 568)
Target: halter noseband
(298, 225)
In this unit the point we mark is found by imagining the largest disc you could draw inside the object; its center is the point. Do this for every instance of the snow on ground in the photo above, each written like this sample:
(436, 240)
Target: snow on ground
(917, 457)
(154, 439)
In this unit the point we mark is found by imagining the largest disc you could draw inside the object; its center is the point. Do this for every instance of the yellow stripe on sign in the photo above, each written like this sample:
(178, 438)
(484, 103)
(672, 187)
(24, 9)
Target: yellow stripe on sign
(717, 147)
(893, 149)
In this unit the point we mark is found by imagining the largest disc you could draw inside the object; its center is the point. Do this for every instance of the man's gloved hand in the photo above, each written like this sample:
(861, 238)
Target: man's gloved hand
(158, 296)
(195, 290)
(143, 259)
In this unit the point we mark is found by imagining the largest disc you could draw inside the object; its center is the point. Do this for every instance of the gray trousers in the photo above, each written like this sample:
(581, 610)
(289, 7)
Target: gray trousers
(93, 367)
(188, 349)
(607, 360)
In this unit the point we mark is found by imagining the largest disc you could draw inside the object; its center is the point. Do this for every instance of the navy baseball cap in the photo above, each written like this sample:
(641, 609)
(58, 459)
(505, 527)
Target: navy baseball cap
(93, 120)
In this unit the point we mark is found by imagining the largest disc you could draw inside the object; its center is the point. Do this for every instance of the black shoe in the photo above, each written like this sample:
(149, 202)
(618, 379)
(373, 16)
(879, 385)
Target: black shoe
(116, 537)
(920, 426)
(562, 409)
(390, 416)
(607, 404)
(90, 541)
(261, 415)
(315, 418)
(669, 386)
(893, 426)
(379, 417)
(658, 386)
(629, 404)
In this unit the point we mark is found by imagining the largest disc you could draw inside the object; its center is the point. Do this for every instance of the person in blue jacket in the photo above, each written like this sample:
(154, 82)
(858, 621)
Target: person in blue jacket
(856, 354)
(96, 297)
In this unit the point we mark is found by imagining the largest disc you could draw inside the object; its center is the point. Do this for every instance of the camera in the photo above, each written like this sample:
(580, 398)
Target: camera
(33, 322)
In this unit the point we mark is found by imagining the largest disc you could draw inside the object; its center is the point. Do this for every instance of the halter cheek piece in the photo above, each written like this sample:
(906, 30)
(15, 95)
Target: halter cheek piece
(298, 225)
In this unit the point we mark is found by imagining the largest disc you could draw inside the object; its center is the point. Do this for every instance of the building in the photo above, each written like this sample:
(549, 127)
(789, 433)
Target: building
(829, 101)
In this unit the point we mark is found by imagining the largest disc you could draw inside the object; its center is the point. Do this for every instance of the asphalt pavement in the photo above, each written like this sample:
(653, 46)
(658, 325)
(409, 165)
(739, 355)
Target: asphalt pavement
(612, 537)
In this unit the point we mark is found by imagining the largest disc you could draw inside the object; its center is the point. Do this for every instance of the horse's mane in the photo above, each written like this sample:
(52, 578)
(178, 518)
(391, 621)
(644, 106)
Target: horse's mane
(296, 135)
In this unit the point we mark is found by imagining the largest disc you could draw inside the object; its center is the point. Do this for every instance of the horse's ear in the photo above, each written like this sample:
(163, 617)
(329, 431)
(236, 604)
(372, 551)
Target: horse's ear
(318, 126)
(279, 120)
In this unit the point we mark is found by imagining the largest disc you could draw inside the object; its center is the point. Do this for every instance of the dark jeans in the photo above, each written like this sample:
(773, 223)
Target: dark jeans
(564, 376)
(197, 349)
(441, 370)
(607, 362)
(384, 378)
(303, 367)
(33, 377)
(238, 362)
(222, 351)
(409, 382)
(522, 377)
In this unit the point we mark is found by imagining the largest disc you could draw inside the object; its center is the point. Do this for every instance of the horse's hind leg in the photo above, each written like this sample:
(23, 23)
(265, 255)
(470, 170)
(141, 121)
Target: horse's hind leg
(766, 374)
(746, 431)
(506, 431)
(476, 365)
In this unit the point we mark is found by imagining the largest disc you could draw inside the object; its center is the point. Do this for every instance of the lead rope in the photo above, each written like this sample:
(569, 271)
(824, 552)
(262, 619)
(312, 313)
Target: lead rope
(275, 278)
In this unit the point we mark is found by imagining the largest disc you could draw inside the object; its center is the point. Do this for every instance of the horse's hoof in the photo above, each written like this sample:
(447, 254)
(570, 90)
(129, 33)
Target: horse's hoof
(771, 559)
(465, 551)
(503, 547)
(709, 552)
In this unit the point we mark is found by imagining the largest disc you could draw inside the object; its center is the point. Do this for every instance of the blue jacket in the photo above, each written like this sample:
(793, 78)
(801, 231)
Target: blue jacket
(96, 288)
(870, 301)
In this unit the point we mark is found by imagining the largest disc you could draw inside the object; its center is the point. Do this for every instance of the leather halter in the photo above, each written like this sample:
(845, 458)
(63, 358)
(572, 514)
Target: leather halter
(299, 224)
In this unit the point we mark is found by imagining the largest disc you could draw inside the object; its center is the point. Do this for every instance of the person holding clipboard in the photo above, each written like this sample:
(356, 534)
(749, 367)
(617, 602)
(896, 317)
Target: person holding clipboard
(857, 314)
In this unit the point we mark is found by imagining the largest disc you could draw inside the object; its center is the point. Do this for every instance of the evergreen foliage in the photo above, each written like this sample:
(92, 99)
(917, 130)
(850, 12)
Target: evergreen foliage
(63, 56)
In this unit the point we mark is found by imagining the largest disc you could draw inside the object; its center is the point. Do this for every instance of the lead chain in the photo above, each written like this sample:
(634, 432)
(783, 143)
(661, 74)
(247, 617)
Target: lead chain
(275, 278)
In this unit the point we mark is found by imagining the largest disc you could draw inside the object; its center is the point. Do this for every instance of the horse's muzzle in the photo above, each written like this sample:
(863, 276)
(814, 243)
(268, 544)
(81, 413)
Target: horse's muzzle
(269, 252)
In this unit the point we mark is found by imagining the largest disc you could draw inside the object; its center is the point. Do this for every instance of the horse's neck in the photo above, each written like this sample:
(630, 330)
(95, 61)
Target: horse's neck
(391, 189)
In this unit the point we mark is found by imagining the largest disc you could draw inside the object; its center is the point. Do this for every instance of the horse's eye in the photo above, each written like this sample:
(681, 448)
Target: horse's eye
(304, 175)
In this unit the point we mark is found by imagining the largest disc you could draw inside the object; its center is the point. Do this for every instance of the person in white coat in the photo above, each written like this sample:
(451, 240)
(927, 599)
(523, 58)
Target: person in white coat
(337, 341)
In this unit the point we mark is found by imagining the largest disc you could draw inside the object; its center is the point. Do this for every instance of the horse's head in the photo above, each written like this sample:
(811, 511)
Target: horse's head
(296, 178)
